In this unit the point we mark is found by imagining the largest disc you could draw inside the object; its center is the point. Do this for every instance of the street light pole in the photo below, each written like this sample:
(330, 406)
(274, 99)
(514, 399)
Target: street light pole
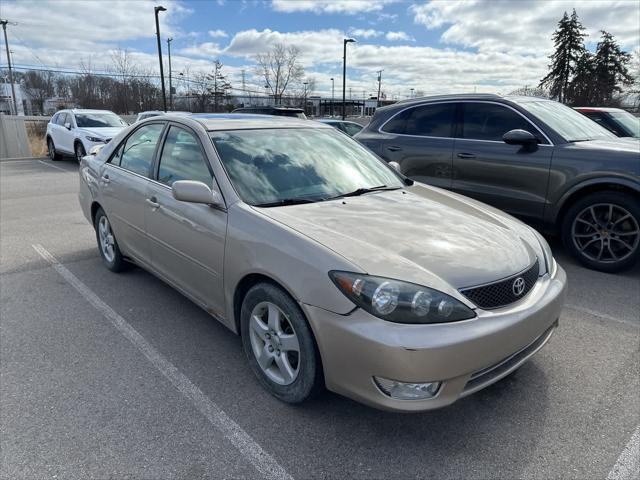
(333, 94)
(344, 75)
(6, 43)
(164, 93)
(169, 40)
(305, 97)
(379, 83)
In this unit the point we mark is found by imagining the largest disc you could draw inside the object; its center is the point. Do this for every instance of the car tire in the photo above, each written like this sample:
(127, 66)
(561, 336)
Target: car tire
(107, 243)
(272, 327)
(79, 151)
(51, 150)
(602, 231)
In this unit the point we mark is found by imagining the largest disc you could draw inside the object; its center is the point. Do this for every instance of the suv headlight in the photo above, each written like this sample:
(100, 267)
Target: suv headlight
(94, 139)
(399, 302)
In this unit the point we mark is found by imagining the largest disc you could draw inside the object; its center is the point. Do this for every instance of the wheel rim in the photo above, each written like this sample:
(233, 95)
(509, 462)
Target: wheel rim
(274, 343)
(107, 242)
(605, 233)
(79, 153)
(51, 149)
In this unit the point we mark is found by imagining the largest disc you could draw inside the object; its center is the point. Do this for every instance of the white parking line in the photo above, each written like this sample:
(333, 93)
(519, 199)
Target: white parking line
(605, 316)
(248, 447)
(628, 465)
(53, 166)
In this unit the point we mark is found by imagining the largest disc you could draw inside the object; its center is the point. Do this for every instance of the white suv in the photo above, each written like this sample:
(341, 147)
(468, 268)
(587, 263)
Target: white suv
(75, 132)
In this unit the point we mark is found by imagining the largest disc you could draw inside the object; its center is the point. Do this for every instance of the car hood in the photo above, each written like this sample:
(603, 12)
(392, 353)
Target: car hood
(103, 132)
(622, 144)
(420, 234)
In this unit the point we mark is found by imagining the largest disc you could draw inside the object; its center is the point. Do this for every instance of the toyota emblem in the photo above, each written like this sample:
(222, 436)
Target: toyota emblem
(518, 286)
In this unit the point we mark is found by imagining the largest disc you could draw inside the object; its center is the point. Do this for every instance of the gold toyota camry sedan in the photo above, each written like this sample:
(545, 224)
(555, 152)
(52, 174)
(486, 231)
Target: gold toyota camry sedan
(335, 270)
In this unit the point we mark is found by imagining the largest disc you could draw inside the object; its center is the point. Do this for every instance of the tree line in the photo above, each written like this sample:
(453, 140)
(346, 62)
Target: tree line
(579, 77)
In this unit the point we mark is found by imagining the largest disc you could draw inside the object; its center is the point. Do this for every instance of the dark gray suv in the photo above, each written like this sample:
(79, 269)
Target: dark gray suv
(536, 159)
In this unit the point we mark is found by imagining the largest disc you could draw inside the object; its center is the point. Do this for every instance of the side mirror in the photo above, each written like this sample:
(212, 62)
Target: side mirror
(195, 192)
(519, 137)
(395, 166)
(67, 126)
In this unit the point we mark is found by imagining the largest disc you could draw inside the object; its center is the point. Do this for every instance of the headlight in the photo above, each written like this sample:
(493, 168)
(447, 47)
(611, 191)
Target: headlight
(94, 139)
(399, 302)
(549, 261)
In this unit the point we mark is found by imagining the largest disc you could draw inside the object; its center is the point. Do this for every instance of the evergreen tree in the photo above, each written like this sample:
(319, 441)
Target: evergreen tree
(568, 40)
(611, 71)
(581, 88)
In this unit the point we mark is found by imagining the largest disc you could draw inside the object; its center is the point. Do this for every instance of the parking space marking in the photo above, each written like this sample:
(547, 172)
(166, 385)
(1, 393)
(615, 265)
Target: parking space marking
(628, 465)
(599, 314)
(248, 447)
(54, 166)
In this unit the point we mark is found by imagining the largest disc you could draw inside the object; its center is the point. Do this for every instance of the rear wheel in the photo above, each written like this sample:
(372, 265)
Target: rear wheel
(51, 149)
(80, 152)
(279, 344)
(107, 244)
(602, 231)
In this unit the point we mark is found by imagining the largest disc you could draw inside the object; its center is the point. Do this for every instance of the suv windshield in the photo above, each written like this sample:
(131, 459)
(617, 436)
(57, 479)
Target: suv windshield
(96, 120)
(569, 124)
(272, 166)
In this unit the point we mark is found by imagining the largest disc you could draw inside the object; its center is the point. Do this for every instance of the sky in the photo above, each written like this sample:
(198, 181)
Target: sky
(433, 46)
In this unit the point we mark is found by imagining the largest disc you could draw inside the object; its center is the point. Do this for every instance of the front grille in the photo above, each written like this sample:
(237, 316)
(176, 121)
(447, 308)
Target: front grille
(487, 376)
(501, 293)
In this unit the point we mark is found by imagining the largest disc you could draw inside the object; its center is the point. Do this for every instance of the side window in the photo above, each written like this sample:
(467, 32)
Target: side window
(117, 155)
(139, 148)
(427, 120)
(54, 119)
(182, 159)
(62, 119)
(488, 121)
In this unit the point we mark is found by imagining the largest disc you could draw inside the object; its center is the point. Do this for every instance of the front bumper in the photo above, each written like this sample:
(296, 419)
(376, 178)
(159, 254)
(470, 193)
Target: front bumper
(465, 356)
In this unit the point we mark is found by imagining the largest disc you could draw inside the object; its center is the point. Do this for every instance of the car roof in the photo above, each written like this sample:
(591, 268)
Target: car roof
(468, 96)
(598, 109)
(272, 107)
(86, 110)
(240, 121)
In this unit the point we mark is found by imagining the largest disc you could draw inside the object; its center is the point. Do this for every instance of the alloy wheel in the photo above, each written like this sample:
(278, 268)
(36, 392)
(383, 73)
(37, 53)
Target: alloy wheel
(107, 242)
(79, 153)
(52, 150)
(605, 232)
(274, 343)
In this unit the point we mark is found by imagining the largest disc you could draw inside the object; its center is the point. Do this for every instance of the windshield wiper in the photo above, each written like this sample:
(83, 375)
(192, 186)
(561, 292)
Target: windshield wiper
(289, 201)
(362, 191)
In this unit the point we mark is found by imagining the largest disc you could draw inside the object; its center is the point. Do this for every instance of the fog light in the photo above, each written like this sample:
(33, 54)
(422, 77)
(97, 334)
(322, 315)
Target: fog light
(407, 391)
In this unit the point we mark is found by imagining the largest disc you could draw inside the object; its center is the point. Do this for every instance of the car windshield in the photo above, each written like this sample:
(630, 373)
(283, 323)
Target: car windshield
(569, 124)
(96, 120)
(628, 121)
(269, 166)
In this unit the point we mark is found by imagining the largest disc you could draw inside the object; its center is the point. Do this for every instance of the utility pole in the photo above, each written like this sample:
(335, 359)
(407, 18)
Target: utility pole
(6, 44)
(169, 40)
(379, 83)
(164, 93)
(344, 75)
(333, 94)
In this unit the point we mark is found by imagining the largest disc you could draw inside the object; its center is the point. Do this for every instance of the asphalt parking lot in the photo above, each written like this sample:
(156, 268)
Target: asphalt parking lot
(168, 394)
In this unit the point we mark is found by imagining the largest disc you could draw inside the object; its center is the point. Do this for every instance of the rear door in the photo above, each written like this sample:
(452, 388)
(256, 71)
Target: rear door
(187, 239)
(510, 177)
(59, 131)
(68, 134)
(124, 185)
(421, 140)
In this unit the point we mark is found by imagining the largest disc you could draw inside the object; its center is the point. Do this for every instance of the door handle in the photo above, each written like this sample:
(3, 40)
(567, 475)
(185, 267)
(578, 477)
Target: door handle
(153, 201)
(105, 178)
(466, 155)
(394, 148)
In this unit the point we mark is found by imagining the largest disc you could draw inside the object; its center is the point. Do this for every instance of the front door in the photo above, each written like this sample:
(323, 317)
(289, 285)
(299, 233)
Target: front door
(510, 177)
(187, 239)
(420, 139)
(125, 182)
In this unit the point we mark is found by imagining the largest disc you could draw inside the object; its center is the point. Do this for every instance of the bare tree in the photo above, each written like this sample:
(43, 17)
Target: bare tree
(124, 68)
(39, 86)
(280, 68)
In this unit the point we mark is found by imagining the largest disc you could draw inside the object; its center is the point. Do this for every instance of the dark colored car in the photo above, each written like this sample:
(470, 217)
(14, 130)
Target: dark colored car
(619, 122)
(536, 159)
(272, 110)
(350, 128)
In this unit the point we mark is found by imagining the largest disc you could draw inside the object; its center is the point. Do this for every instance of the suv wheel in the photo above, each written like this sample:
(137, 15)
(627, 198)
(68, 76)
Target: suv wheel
(51, 149)
(80, 152)
(602, 231)
(279, 344)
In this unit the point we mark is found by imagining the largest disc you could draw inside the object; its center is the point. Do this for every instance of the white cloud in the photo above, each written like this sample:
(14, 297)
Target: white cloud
(365, 33)
(205, 50)
(398, 36)
(218, 33)
(525, 25)
(330, 6)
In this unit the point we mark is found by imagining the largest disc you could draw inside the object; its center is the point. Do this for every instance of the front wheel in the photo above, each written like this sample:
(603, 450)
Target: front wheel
(279, 344)
(107, 244)
(602, 231)
(80, 152)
